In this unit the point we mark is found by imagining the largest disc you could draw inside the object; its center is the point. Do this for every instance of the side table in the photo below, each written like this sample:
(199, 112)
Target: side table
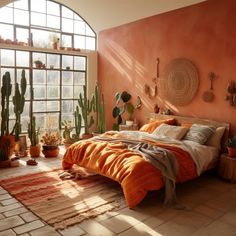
(227, 167)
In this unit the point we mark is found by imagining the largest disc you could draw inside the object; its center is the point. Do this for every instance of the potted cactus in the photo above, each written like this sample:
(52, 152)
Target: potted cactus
(231, 146)
(86, 107)
(7, 140)
(35, 147)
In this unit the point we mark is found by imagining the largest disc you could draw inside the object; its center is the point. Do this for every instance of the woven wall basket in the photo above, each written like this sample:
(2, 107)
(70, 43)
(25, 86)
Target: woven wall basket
(179, 82)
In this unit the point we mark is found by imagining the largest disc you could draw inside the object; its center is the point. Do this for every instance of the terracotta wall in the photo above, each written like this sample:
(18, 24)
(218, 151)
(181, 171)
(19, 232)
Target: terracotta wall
(204, 33)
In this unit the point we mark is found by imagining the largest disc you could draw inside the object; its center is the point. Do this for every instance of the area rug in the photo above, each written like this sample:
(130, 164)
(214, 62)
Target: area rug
(62, 203)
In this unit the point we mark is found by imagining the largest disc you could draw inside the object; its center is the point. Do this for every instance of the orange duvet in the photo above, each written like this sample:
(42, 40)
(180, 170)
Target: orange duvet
(127, 167)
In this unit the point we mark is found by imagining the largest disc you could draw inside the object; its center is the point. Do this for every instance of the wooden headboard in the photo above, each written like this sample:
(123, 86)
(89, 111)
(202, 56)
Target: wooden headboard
(193, 120)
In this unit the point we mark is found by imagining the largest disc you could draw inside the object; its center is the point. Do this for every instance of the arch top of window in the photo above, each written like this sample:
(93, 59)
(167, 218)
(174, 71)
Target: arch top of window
(44, 20)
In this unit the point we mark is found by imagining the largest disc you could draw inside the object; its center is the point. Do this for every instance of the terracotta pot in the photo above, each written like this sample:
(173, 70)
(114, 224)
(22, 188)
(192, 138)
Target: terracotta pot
(231, 152)
(11, 139)
(35, 150)
(50, 150)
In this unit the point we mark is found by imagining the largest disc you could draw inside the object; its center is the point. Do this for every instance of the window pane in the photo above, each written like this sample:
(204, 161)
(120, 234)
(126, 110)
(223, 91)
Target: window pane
(39, 106)
(77, 17)
(22, 58)
(40, 121)
(67, 92)
(80, 63)
(53, 92)
(67, 107)
(89, 31)
(79, 27)
(79, 78)
(53, 22)
(39, 6)
(67, 12)
(39, 77)
(22, 35)
(67, 61)
(66, 41)
(90, 43)
(21, 17)
(53, 8)
(53, 106)
(41, 38)
(6, 15)
(52, 121)
(67, 25)
(77, 91)
(53, 77)
(79, 42)
(67, 78)
(6, 31)
(22, 4)
(53, 60)
(7, 57)
(38, 19)
(26, 109)
(39, 92)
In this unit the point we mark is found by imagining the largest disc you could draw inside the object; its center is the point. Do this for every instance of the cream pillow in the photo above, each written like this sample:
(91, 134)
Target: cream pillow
(215, 139)
(171, 131)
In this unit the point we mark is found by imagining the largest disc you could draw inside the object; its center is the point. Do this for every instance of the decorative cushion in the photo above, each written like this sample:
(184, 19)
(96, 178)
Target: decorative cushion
(200, 133)
(215, 139)
(171, 131)
(150, 127)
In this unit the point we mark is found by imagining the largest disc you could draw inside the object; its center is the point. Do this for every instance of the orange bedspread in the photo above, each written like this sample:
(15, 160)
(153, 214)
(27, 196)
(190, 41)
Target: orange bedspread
(115, 161)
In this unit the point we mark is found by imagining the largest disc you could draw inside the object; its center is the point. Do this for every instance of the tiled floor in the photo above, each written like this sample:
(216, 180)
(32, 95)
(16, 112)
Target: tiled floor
(210, 209)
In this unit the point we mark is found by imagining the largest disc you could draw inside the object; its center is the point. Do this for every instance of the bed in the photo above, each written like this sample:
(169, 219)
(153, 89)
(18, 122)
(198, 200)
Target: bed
(150, 159)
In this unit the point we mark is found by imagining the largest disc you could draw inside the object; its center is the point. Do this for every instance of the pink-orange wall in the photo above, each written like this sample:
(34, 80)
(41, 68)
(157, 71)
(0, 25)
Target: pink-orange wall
(204, 33)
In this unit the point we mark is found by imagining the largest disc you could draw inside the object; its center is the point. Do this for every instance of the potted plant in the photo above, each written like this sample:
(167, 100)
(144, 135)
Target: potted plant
(38, 64)
(231, 146)
(51, 141)
(35, 147)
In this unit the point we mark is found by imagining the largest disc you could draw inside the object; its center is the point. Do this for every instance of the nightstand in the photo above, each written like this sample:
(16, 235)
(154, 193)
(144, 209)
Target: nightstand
(227, 167)
(128, 127)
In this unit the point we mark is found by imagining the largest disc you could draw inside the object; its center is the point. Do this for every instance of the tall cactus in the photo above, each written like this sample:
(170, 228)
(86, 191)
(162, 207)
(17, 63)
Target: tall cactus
(5, 95)
(78, 122)
(33, 132)
(86, 108)
(19, 102)
(100, 110)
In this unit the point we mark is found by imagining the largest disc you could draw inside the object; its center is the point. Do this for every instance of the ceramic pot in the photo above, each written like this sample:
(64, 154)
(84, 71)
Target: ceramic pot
(231, 152)
(35, 150)
(50, 150)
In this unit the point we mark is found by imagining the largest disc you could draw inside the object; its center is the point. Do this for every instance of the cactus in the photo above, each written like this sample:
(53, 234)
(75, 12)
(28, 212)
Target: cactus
(86, 108)
(19, 102)
(100, 110)
(78, 122)
(5, 95)
(33, 132)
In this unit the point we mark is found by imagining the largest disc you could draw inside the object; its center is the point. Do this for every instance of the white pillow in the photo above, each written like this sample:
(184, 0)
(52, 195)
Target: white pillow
(171, 131)
(215, 139)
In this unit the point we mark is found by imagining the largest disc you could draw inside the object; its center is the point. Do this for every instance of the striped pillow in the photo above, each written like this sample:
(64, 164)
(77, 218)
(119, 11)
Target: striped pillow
(200, 133)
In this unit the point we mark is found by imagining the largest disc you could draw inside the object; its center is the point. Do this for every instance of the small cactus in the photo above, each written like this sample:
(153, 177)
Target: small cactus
(33, 132)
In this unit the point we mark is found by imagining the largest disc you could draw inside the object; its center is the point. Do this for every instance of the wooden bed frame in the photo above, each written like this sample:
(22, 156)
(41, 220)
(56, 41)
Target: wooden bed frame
(193, 120)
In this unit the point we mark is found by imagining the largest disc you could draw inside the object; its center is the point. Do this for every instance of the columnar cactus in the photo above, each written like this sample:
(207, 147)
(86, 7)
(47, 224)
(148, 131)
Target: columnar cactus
(86, 108)
(19, 102)
(33, 132)
(5, 95)
(100, 110)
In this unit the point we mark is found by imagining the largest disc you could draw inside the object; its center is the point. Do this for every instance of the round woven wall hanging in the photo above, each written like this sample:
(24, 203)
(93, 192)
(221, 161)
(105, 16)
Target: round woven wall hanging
(179, 82)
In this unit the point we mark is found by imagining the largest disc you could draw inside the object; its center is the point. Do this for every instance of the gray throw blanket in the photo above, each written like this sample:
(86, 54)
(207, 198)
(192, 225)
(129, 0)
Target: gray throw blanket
(161, 158)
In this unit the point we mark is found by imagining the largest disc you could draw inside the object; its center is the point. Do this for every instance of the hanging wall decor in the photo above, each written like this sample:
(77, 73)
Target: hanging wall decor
(179, 82)
(231, 97)
(208, 96)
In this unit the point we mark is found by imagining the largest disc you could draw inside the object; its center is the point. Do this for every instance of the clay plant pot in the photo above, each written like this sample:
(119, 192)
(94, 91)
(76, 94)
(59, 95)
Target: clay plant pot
(11, 140)
(50, 150)
(5, 164)
(35, 150)
(231, 152)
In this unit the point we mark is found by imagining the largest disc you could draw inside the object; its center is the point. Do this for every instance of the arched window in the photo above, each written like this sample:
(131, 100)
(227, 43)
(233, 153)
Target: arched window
(28, 31)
